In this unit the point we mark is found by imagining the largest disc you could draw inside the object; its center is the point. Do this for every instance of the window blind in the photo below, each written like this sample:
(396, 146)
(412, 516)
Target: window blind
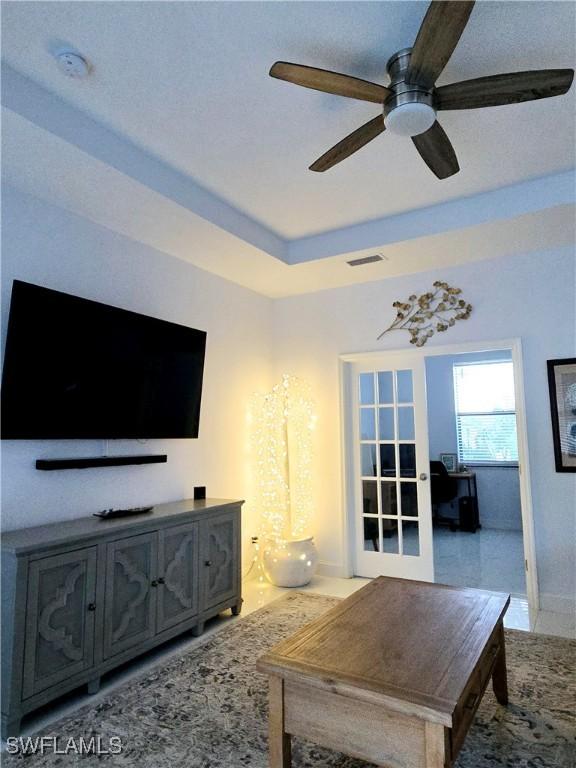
(485, 413)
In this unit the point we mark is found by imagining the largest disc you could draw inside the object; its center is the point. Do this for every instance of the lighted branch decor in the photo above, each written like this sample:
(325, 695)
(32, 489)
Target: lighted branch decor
(282, 422)
(434, 311)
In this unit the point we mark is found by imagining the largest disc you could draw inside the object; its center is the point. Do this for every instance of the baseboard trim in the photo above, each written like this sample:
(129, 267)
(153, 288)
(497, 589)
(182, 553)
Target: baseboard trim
(333, 570)
(557, 603)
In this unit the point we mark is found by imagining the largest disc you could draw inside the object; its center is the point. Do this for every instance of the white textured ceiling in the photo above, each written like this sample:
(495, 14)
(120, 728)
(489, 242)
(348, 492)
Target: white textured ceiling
(45, 166)
(188, 82)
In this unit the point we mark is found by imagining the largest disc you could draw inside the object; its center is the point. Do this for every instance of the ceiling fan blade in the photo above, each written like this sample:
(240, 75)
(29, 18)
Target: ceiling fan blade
(352, 143)
(437, 151)
(329, 82)
(436, 39)
(511, 88)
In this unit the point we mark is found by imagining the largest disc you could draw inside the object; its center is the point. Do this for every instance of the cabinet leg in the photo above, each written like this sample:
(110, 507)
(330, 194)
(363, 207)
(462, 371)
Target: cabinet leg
(499, 675)
(279, 743)
(93, 686)
(197, 630)
(437, 746)
(10, 726)
(237, 608)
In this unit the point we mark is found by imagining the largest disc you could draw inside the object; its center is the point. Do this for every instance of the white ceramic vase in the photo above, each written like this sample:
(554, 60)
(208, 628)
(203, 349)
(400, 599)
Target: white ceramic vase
(290, 563)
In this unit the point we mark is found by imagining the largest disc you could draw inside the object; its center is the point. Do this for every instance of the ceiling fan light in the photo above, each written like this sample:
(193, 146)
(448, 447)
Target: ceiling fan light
(410, 119)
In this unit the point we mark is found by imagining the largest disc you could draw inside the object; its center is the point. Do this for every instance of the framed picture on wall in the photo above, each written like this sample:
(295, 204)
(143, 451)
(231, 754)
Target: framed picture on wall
(450, 461)
(562, 384)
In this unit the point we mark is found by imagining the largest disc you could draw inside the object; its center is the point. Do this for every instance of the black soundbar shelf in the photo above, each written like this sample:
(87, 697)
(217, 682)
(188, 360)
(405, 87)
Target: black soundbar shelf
(49, 465)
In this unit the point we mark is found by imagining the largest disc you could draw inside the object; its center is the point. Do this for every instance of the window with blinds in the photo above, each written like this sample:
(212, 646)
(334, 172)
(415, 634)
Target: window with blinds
(485, 413)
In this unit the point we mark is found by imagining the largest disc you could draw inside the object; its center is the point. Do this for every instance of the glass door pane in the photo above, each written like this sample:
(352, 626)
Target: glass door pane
(393, 515)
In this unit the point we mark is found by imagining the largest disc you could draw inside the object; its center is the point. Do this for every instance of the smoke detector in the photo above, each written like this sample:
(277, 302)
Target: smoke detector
(72, 64)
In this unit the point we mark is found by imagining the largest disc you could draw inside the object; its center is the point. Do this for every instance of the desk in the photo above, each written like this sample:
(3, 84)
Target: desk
(470, 478)
(472, 521)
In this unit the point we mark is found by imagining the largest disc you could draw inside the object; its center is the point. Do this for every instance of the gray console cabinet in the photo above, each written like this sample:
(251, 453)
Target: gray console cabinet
(178, 553)
(130, 597)
(59, 638)
(219, 541)
(81, 597)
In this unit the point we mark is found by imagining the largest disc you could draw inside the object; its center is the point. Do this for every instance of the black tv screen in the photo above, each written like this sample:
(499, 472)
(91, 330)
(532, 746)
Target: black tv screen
(75, 368)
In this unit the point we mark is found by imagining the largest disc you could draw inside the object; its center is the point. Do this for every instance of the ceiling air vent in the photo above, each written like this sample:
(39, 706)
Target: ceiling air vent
(365, 260)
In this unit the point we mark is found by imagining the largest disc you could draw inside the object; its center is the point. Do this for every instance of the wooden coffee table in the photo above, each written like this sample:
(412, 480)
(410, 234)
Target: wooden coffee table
(392, 675)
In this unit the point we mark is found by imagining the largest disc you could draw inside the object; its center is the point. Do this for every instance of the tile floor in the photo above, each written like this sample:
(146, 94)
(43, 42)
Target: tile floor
(487, 559)
(257, 594)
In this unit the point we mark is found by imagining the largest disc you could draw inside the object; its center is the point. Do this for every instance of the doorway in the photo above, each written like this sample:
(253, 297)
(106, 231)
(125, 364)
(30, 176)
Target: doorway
(475, 482)
(386, 460)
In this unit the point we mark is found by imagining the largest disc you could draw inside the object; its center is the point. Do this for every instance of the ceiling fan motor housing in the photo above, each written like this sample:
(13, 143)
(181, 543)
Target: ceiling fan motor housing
(409, 111)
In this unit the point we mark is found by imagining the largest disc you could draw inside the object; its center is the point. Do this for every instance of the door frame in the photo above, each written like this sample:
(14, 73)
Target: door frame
(514, 345)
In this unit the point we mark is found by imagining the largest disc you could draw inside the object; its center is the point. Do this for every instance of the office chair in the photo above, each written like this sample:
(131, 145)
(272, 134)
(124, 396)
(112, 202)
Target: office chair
(443, 488)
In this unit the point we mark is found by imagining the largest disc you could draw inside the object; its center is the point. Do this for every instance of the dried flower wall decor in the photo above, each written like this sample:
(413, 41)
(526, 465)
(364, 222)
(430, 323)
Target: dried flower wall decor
(434, 311)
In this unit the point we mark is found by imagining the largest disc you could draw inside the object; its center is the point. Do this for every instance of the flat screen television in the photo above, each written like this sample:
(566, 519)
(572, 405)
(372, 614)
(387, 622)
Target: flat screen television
(75, 368)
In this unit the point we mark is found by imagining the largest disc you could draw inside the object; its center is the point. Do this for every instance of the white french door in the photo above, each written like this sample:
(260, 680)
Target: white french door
(390, 465)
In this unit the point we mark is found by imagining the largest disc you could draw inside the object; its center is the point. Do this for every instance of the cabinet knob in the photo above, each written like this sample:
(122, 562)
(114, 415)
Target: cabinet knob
(208, 563)
(161, 580)
(154, 583)
(91, 606)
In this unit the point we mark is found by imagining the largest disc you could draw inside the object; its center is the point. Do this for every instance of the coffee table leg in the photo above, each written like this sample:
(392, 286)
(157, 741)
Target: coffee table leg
(278, 739)
(437, 746)
(499, 675)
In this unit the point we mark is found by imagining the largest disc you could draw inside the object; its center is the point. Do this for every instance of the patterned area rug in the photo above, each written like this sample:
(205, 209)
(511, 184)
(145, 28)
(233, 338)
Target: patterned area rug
(207, 706)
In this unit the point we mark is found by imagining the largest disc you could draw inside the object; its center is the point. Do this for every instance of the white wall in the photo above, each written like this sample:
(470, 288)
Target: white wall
(498, 487)
(529, 296)
(46, 245)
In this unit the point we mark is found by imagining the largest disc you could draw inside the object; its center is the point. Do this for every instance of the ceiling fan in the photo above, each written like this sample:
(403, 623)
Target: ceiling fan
(411, 100)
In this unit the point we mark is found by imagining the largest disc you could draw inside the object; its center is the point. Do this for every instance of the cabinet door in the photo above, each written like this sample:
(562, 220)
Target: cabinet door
(178, 575)
(60, 619)
(130, 592)
(220, 558)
